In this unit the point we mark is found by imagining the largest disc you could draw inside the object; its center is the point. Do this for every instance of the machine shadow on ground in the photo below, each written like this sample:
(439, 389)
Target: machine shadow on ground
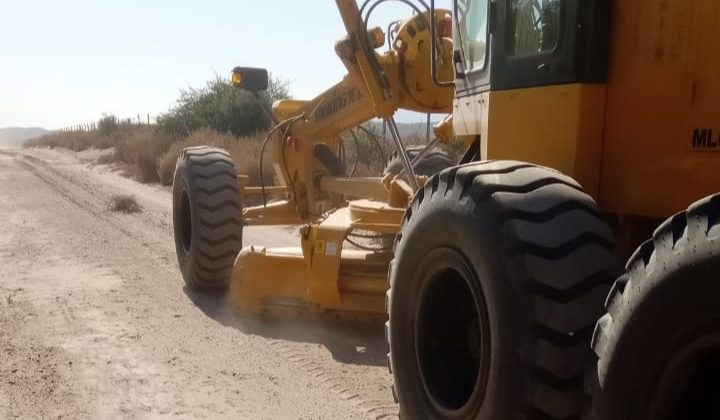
(360, 342)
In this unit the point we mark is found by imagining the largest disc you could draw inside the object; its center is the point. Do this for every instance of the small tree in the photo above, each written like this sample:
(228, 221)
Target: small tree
(221, 107)
(107, 124)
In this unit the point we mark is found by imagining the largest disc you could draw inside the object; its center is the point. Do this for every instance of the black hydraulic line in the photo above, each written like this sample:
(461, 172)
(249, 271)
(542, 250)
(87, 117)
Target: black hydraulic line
(365, 44)
(357, 153)
(433, 31)
(371, 56)
(408, 2)
(433, 34)
(392, 31)
(367, 248)
(341, 152)
(262, 151)
(372, 236)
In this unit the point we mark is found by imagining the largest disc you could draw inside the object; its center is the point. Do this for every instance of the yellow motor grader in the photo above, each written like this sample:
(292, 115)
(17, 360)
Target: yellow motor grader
(586, 124)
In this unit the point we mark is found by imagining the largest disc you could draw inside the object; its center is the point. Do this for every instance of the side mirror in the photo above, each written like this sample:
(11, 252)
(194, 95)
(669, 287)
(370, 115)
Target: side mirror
(253, 79)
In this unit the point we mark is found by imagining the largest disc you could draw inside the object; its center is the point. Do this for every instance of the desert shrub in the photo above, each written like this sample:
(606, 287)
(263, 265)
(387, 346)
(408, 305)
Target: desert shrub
(141, 149)
(245, 152)
(71, 140)
(221, 107)
(200, 117)
(107, 124)
(124, 204)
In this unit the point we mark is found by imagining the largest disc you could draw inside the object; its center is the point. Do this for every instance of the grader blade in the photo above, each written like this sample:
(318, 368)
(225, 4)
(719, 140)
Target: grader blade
(276, 279)
(322, 275)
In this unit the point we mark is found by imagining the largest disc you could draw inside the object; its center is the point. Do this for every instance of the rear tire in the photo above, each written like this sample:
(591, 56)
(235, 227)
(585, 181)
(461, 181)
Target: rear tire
(499, 275)
(659, 343)
(207, 217)
(435, 161)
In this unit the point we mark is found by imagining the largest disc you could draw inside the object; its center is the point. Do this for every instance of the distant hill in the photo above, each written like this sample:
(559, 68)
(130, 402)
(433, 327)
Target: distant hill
(12, 137)
(407, 130)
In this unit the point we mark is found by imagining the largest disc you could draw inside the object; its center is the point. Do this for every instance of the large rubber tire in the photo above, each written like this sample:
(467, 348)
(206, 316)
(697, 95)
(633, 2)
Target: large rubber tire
(500, 273)
(435, 161)
(659, 343)
(207, 216)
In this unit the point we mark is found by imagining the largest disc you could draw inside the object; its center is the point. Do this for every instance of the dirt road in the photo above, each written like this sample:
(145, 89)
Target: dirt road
(95, 322)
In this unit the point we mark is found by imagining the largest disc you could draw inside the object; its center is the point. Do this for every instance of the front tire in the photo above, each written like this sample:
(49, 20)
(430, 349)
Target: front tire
(499, 275)
(207, 217)
(659, 343)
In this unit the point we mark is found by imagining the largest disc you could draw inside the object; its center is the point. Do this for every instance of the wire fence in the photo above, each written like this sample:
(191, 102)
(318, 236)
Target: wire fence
(137, 120)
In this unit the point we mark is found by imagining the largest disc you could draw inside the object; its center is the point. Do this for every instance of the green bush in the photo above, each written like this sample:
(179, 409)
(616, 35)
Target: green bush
(221, 107)
(107, 124)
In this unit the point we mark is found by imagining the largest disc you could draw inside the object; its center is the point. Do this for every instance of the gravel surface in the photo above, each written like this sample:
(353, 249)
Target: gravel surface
(95, 322)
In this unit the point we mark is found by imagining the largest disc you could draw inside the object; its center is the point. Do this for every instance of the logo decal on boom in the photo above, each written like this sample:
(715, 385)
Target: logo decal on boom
(340, 100)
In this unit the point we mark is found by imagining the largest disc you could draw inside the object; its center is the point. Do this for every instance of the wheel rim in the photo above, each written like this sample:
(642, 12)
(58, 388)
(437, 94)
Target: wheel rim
(452, 339)
(690, 385)
(185, 221)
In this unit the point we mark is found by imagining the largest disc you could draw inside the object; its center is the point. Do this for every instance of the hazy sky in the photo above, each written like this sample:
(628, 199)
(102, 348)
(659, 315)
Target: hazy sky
(67, 62)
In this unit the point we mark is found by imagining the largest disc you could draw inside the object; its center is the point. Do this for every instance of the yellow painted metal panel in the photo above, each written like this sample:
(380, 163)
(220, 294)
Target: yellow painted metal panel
(556, 126)
(664, 89)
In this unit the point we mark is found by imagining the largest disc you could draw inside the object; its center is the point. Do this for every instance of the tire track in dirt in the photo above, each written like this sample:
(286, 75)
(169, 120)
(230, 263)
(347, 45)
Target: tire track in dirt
(31, 372)
(370, 408)
(40, 168)
(224, 371)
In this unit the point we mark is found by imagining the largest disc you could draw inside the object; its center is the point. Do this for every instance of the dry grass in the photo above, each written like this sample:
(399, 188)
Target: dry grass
(141, 151)
(74, 140)
(149, 154)
(125, 204)
(245, 152)
(137, 147)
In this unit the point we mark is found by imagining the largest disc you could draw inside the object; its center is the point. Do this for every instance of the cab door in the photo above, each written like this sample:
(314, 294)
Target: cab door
(471, 35)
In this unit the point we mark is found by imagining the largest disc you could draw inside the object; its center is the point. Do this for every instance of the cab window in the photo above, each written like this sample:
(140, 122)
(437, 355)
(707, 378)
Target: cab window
(533, 27)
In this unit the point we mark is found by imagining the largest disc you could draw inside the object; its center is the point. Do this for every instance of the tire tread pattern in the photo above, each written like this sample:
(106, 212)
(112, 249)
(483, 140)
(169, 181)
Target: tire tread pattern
(212, 181)
(432, 163)
(533, 203)
(676, 239)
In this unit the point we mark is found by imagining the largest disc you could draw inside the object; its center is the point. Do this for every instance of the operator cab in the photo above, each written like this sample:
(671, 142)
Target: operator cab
(530, 81)
(544, 42)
